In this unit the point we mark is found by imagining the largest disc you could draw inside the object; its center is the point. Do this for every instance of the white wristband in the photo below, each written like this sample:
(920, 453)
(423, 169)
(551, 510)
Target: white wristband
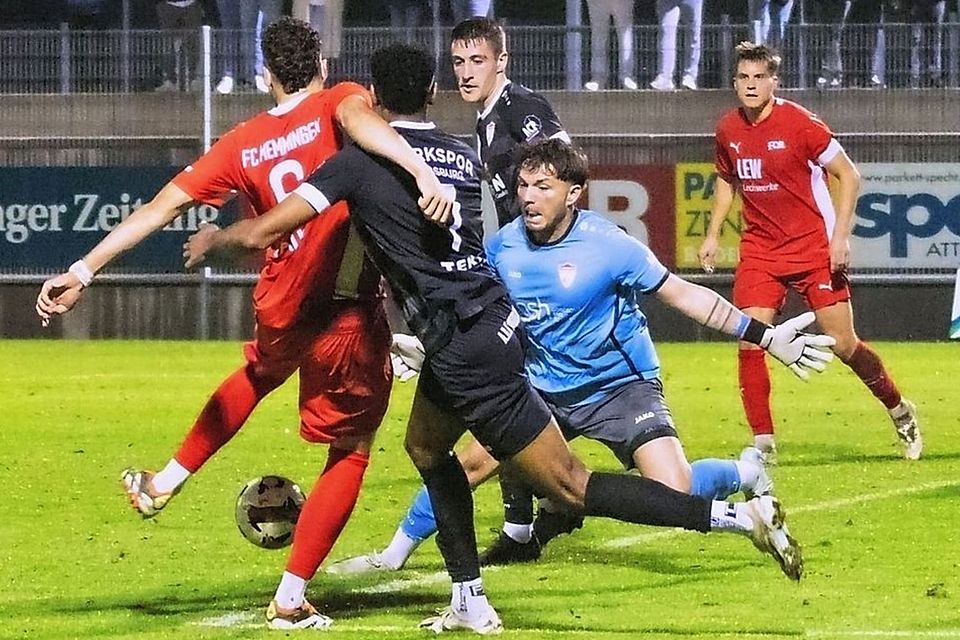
(82, 271)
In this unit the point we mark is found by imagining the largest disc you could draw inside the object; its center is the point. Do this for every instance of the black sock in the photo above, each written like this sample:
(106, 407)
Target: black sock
(453, 509)
(549, 525)
(517, 501)
(643, 501)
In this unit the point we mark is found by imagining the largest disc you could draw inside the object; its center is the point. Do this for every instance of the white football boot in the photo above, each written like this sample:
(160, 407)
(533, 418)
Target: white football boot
(904, 419)
(448, 620)
(137, 485)
(770, 535)
(369, 563)
(764, 483)
(303, 617)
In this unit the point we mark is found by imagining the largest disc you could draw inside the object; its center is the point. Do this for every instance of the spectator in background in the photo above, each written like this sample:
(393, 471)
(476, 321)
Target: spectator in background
(255, 16)
(229, 47)
(465, 9)
(833, 13)
(772, 16)
(601, 11)
(182, 67)
(670, 13)
(326, 17)
(926, 42)
(406, 15)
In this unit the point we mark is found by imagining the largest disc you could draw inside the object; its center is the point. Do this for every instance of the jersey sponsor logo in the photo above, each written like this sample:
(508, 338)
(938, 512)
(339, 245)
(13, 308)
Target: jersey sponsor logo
(498, 186)
(750, 168)
(514, 274)
(643, 416)
(490, 131)
(736, 146)
(531, 127)
(280, 146)
(567, 273)
(776, 145)
(463, 264)
(456, 163)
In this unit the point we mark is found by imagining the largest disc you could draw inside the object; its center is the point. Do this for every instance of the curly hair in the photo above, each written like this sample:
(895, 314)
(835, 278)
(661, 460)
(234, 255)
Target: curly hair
(481, 29)
(292, 51)
(751, 52)
(402, 78)
(556, 156)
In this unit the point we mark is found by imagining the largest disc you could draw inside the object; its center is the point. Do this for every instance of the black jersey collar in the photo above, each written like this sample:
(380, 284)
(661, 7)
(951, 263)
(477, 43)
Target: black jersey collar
(483, 114)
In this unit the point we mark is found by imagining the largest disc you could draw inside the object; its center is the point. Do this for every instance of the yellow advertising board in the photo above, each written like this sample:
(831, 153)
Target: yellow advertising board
(695, 183)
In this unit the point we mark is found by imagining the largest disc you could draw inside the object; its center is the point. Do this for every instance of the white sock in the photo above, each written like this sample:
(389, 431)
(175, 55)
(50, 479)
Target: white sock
(521, 533)
(749, 473)
(469, 600)
(290, 592)
(172, 476)
(730, 516)
(399, 550)
(764, 442)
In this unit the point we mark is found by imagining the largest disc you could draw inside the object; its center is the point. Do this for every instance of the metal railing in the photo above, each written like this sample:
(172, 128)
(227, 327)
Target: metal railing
(546, 57)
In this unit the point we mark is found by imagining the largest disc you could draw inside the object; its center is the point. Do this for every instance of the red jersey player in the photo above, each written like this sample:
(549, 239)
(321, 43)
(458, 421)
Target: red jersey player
(777, 155)
(317, 304)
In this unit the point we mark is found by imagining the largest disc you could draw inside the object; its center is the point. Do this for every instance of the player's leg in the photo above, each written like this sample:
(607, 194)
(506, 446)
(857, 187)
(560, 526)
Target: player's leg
(271, 358)
(835, 317)
(431, 434)
(345, 381)
(759, 295)
(552, 469)
(418, 523)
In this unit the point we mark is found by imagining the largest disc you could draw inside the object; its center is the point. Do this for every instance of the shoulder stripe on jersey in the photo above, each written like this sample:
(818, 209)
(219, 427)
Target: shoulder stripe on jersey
(830, 152)
(312, 195)
(657, 286)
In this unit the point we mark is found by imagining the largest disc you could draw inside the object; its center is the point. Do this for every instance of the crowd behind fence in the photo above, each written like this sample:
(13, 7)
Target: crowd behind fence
(878, 56)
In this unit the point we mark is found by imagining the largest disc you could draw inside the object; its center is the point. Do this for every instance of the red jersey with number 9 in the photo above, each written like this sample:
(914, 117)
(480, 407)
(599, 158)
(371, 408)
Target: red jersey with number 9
(777, 167)
(265, 159)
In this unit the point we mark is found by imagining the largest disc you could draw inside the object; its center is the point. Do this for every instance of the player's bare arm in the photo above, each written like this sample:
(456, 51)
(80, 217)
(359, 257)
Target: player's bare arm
(373, 134)
(251, 233)
(847, 177)
(59, 294)
(722, 201)
(801, 352)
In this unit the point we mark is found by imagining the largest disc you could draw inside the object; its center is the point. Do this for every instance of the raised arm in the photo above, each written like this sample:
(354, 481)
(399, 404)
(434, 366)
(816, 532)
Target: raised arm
(59, 294)
(799, 351)
(373, 134)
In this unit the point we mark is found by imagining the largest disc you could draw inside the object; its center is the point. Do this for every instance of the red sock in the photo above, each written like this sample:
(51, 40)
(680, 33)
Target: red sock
(223, 415)
(867, 365)
(326, 511)
(755, 390)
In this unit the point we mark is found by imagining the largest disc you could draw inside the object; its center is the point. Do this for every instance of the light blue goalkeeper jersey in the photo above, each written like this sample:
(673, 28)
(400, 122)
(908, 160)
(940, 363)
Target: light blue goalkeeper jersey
(579, 301)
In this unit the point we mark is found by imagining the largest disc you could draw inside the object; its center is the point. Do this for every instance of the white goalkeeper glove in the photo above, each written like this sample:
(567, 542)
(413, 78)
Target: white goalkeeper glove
(406, 354)
(801, 352)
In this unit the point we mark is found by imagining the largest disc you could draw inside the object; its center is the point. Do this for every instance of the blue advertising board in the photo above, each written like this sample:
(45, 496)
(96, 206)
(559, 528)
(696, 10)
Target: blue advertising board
(50, 216)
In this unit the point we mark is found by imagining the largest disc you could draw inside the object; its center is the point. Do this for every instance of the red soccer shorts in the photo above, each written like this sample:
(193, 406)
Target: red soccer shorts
(344, 363)
(761, 284)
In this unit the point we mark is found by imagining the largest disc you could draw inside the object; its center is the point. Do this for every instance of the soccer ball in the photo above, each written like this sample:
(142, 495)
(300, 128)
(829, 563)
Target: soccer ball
(267, 511)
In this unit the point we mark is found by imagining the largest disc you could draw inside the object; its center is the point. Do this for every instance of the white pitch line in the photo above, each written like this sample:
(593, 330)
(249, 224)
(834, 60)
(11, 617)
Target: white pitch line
(629, 541)
(865, 633)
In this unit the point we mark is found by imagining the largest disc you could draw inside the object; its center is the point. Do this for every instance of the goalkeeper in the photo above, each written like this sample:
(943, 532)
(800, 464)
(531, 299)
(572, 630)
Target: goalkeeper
(578, 282)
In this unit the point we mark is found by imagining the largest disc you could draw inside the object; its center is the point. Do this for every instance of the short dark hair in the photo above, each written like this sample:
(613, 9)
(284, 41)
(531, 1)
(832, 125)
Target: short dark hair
(292, 51)
(557, 156)
(402, 77)
(475, 29)
(752, 52)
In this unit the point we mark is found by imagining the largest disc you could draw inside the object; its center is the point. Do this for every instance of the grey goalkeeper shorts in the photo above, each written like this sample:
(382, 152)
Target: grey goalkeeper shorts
(623, 420)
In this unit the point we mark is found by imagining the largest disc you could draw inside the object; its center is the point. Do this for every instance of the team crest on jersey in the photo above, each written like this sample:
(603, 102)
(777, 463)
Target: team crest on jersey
(568, 273)
(491, 129)
(531, 127)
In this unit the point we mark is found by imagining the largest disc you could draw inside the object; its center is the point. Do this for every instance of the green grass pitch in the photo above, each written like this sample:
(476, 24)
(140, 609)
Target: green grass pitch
(880, 534)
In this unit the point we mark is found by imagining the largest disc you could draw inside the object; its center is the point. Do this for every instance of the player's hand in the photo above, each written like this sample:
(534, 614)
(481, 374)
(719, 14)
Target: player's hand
(708, 254)
(436, 200)
(57, 296)
(196, 247)
(801, 352)
(839, 254)
(407, 355)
